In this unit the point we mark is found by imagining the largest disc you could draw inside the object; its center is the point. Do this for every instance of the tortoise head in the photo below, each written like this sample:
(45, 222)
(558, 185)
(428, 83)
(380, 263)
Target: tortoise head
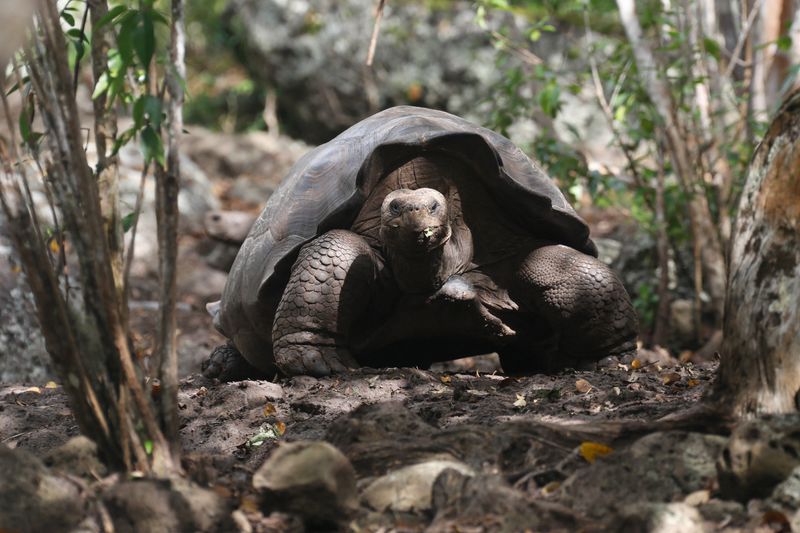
(414, 222)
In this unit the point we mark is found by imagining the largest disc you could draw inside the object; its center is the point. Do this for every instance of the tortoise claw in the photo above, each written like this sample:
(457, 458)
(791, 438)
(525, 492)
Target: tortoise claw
(226, 363)
(317, 361)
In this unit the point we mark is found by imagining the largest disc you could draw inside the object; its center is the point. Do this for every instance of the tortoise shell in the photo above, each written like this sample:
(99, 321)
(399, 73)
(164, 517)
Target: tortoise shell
(327, 188)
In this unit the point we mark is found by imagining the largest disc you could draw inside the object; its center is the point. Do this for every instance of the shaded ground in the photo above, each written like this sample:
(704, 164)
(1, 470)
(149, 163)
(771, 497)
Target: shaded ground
(228, 429)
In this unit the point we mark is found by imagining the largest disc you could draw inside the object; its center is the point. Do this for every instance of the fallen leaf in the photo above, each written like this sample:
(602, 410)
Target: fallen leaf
(583, 386)
(249, 504)
(37, 390)
(266, 432)
(592, 450)
(693, 383)
(670, 377)
(617, 391)
(445, 379)
(222, 491)
(202, 391)
(269, 410)
(51, 385)
(636, 364)
(551, 487)
(776, 520)
(54, 246)
(520, 401)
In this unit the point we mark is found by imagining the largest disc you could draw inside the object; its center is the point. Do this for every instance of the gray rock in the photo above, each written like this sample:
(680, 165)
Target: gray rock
(230, 226)
(681, 321)
(660, 466)
(32, 498)
(787, 496)
(77, 457)
(659, 518)
(723, 511)
(162, 506)
(257, 159)
(310, 478)
(313, 53)
(408, 489)
(488, 503)
(23, 357)
(760, 454)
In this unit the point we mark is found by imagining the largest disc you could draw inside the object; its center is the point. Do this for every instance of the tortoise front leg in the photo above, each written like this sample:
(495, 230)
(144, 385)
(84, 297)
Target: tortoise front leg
(583, 303)
(329, 287)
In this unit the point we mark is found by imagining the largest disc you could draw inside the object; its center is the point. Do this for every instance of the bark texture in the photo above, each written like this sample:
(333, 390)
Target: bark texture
(760, 369)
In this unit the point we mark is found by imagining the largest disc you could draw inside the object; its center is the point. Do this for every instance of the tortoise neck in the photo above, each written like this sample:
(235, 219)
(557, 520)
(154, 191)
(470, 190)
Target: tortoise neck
(425, 272)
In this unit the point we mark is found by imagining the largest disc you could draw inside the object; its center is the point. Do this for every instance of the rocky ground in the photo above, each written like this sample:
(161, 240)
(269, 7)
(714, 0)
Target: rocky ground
(411, 450)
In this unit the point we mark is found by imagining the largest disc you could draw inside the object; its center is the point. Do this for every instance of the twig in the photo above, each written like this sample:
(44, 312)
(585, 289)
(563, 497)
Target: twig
(608, 112)
(521, 52)
(661, 326)
(743, 36)
(137, 210)
(77, 59)
(376, 28)
(167, 188)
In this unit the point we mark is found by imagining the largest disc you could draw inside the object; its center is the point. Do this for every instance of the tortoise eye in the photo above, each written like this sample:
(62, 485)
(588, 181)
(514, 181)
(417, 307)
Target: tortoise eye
(434, 206)
(394, 207)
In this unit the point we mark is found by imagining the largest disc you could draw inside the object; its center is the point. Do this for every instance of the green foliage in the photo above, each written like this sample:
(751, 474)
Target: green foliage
(128, 79)
(538, 91)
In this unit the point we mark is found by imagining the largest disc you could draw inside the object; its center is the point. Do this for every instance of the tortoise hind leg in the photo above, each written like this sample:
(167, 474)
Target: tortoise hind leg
(328, 289)
(581, 301)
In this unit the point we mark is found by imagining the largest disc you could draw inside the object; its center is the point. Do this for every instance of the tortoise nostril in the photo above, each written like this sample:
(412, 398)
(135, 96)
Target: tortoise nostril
(215, 217)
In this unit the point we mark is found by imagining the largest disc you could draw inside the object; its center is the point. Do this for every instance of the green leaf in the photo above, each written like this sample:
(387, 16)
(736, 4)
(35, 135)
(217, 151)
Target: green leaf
(125, 38)
(152, 148)
(784, 43)
(712, 47)
(159, 17)
(75, 33)
(113, 13)
(138, 112)
(144, 40)
(148, 447)
(152, 108)
(128, 221)
(25, 126)
(550, 99)
(68, 18)
(147, 109)
(123, 139)
(101, 86)
(80, 50)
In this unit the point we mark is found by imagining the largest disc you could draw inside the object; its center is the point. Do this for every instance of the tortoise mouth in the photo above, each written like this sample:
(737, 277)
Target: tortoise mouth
(414, 221)
(416, 239)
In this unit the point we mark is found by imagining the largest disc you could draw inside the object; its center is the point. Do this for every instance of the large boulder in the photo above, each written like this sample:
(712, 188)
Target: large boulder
(313, 53)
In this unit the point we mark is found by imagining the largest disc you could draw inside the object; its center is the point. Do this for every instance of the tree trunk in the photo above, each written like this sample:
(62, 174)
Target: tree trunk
(760, 368)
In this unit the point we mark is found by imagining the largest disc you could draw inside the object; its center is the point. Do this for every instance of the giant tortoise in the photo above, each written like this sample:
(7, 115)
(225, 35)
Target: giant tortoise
(413, 237)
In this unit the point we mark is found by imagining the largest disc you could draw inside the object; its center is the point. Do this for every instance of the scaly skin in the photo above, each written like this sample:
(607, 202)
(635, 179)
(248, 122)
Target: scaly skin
(329, 287)
(583, 302)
